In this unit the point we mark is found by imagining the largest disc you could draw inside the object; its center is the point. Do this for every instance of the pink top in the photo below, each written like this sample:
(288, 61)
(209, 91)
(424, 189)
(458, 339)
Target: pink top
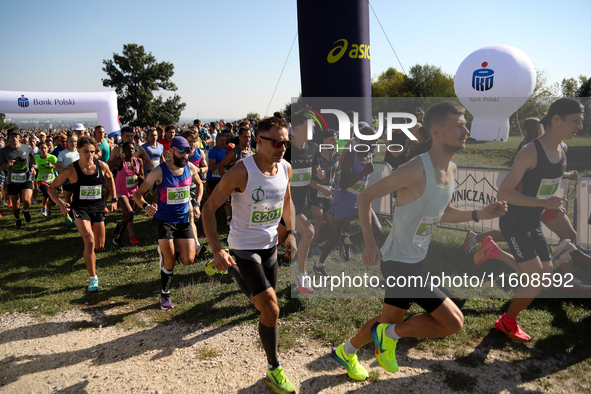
(126, 181)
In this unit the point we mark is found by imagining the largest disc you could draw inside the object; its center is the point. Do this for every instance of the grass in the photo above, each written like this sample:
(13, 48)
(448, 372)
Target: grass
(43, 273)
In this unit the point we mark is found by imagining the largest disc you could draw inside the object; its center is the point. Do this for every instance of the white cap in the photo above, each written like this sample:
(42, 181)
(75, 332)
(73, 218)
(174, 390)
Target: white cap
(79, 126)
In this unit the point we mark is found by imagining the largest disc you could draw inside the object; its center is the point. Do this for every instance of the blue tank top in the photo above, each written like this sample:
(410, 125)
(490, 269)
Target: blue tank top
(352, 192)
(173, 195)
(415, 222)
(154, 154)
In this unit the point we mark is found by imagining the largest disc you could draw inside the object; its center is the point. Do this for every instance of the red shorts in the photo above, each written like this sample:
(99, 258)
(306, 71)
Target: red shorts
(551, 214)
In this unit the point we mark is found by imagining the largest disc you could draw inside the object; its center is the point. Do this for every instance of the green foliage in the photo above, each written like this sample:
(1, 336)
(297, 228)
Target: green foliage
(136, 75)
(6, 126)
(421, 81)
(253, 115)
(579, 88)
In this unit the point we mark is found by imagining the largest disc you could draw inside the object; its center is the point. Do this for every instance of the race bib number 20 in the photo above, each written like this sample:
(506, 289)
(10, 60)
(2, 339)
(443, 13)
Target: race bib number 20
(177, 195)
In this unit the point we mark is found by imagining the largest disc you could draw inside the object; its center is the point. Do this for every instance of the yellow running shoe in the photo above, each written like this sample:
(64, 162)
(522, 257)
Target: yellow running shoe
(210, 269)
(278, 381)
(354, 369)
(385, 347)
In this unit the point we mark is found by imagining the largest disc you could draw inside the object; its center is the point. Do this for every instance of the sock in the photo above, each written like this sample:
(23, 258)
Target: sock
(319, 263)
(165, 279)
(94, 277)
(270, 339)
(197, 244)
(350, 349)
(347, 241)
(391, 332)
(508, 319)
(235, 272)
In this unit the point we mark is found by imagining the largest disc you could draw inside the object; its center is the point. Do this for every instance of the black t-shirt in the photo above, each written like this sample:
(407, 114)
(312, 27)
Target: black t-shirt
(303, 162)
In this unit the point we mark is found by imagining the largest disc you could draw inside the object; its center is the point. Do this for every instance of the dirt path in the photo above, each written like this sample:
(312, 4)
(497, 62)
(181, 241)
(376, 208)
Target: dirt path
(72, 353)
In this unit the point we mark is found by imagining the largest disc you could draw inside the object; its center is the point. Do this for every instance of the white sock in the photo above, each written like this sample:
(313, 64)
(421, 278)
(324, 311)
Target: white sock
(319, 264)
(197, 244)
(391, 332)
(94, 277)
(347, 241)
(350, 349)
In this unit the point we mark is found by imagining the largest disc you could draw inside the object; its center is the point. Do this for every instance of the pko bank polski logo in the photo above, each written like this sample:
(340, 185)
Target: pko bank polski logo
(23, 101)
(483, 78)
(345, 130)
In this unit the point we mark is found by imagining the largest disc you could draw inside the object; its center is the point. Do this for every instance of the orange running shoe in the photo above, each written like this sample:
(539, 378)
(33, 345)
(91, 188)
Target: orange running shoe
(511, 329)
(488, 250)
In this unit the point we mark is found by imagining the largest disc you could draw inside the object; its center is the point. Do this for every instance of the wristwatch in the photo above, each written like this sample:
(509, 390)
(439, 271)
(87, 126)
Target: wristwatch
(294, 232)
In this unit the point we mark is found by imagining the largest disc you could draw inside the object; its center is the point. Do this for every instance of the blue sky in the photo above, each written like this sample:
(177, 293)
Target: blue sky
(228, 54)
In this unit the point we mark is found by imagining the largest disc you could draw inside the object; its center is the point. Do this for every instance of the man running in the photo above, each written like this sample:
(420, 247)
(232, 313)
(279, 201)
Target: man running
(171, 212)
(88, 177)
(64, 159)
(45, 176)
(154, 150)
(19, 161)
(239, 152)
(260, 190)
(425, 186)
(529, 188)
(215, 156)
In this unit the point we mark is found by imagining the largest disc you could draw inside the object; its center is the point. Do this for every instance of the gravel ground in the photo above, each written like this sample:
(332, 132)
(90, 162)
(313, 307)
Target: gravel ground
(73, 353)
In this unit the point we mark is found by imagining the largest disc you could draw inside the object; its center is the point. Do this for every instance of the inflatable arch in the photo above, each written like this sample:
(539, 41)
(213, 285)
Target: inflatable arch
(103, 103)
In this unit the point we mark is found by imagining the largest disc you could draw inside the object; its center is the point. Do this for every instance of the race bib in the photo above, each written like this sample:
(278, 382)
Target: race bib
(90, 192)
(177, 195)
(18, 177)
(48, 177)
(265, 214)
(131, 181)
(358, 187)
(548, 187)
(215, 174)
(321, 195)
(155, 163)
(426, 226)
(301, 176)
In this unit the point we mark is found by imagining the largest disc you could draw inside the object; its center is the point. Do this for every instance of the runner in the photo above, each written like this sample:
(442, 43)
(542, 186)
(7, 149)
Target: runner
(18, 160)
(171, 212)
(529, 188)
(239, 152)
(260, 191)
(320, 192)
(130, 172)
(425, 186)
(64, 159)
(197, 157)
(154, 150)
(88, 177)
(215, 157)
(305, 162)
(45, 176)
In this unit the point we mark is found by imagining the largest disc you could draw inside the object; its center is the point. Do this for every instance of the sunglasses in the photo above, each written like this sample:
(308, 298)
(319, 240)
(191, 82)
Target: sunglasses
(277, 143)
(182, 150)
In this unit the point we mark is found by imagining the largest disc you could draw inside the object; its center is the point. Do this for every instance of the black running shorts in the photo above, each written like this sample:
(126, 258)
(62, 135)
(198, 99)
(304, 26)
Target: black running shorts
(401, 293)
(258, 268)
(15, 189)
(526, 241)
(89, 216)
(167, 230)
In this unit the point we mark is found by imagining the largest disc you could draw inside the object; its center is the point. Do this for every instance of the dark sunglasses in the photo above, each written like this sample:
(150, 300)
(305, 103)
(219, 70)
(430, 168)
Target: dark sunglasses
(277, 143)
(182, 150)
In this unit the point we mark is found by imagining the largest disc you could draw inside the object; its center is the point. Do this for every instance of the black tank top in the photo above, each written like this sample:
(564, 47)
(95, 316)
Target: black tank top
(88, 192)
(541, 182)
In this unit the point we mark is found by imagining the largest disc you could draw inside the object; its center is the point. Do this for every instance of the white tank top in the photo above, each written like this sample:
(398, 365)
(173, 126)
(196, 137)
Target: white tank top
(256, 212)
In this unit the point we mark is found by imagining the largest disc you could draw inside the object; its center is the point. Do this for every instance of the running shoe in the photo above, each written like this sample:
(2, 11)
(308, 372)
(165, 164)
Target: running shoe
(210, 269)
(354, 369)
(116, 230)
(345, 249)
(562, 253)
(117, 242)
(470, 241)
(5, 202)
(315, 250)
(160, 258)
(200, 250)
(133, 240)
(320, 270)
(165, 302)
(10, 204)
(278, 382)
(27, 216)
(18, 223)
(68, 220)
(304, 283)
(576, 285)
(48, 213)
(488, 250)
(93, 286)
(385, 347)
(44, 212)
(34, 201)
(511, 330)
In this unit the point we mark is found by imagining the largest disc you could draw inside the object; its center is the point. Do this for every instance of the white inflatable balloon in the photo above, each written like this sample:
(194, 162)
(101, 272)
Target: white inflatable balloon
(492, 83)
(103, 103)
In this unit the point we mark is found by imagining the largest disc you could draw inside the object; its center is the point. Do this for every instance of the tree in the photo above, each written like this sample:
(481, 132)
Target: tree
(253, 115)
(136, 75)
(579, 88)
(6, 126)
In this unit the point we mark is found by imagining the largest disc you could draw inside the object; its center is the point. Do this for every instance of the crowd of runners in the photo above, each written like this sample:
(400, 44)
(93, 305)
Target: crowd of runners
(276, 189)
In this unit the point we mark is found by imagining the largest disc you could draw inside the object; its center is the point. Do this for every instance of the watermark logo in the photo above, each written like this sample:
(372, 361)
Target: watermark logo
(358, 51)
(483, 78)
(258, 194)
(23, 101)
